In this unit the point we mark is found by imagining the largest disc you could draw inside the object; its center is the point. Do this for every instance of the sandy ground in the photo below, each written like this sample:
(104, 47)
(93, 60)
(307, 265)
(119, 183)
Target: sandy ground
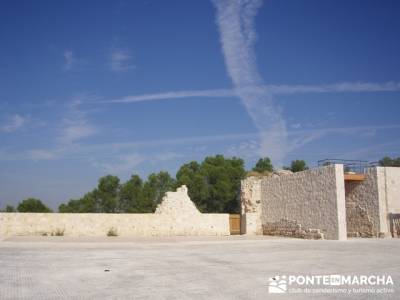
(235, 267)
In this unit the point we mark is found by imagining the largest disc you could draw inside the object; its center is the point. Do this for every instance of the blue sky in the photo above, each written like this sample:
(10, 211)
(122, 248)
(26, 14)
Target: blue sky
(89, 88)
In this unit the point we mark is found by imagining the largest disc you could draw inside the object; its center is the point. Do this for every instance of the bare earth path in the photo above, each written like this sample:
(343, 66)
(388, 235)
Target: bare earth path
(184, 268)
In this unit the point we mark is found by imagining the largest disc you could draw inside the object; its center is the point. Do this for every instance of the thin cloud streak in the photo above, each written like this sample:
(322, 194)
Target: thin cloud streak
(223, 93)
(81, 151)
(341, 87)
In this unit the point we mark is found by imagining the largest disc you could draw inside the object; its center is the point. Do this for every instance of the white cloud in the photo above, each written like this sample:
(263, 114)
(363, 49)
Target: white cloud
(14, 123)
(40, 154)
(121, 60)
(77, 132)
(235, 21)
(246, 149)
(299, 138)
(120, 163)
(76, 125)
(69, 60)
(249, 148)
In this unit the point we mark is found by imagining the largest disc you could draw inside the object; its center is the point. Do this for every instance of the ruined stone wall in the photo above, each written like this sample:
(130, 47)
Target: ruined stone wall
(176, 215)
(362, 206)
(251, 195)
(251, 206)
(308, 204)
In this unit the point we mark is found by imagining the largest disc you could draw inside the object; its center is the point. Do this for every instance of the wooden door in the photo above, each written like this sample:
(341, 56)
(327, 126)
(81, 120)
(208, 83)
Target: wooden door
(234, 223)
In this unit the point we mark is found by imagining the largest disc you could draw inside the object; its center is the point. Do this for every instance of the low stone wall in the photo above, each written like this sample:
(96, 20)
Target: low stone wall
(291, 228)
(100, 224)
(176, 215)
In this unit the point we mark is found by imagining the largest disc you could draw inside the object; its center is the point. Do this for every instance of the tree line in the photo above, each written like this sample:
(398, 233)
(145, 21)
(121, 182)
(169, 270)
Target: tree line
(213, 184)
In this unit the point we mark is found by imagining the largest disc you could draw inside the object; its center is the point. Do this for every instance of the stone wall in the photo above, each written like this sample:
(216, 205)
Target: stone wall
(362, 206)
(319, 203)
(250, 195)
(369, 202)
(312, 201)
(388, 179)
(391, 186)
(176, 215)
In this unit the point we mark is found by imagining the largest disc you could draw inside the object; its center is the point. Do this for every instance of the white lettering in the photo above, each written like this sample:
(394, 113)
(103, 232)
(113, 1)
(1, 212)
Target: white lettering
(300, 280)
(380, 280)
(346, 280)
(363, 280)
(372, 280)
(292, 279)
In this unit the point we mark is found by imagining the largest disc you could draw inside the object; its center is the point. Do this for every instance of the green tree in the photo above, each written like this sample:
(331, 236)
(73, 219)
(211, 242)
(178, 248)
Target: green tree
(195, 179)
(390, 162)
(87, 204)
(263, 165)
(155, 188)
(9, 208)
(131, 199)
(103, 199)
(107, 194)
(134, 196)
(214, 185)
(32, 205)
(297, 166)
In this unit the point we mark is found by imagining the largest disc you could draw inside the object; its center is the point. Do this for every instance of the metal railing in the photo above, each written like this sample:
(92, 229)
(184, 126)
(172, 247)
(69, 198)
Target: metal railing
(394, 224)
(350, 166)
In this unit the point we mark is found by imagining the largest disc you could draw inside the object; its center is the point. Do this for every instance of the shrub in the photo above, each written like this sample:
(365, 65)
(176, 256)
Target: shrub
(112, 232)
(59, 232)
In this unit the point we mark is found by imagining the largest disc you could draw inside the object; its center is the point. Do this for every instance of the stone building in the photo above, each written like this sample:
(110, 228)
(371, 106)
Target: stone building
(322, 203)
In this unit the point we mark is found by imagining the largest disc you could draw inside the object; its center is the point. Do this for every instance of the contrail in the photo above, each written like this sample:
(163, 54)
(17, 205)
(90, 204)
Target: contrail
(235, 20)
(217, 93)
(283, 89)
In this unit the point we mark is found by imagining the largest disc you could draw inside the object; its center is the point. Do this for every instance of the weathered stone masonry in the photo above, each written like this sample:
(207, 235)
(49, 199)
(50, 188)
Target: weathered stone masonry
(362, 206)
(308, 199)
(307, 204)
